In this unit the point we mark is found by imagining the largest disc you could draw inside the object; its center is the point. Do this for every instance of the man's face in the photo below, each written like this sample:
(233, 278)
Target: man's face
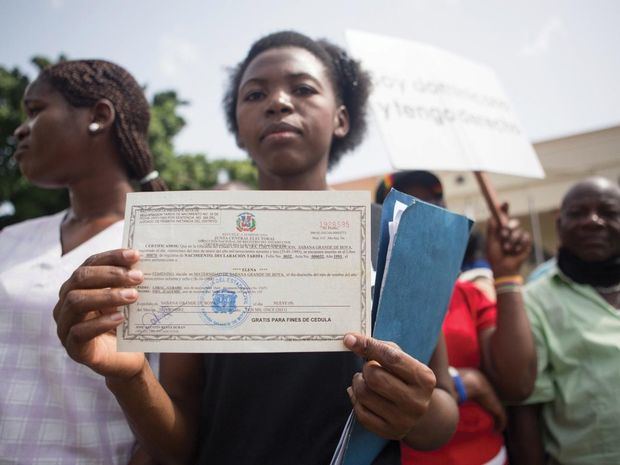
(589, 222)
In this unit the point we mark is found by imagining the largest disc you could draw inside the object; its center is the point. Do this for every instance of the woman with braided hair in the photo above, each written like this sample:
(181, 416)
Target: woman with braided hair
(295, 105)
(85, 130)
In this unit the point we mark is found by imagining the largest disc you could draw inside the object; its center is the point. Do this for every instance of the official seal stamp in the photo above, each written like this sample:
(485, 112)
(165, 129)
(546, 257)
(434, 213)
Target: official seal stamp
(246, 222)
(225, 301)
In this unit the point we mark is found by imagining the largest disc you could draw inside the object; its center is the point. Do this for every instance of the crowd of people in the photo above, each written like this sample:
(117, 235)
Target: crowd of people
(521, 374)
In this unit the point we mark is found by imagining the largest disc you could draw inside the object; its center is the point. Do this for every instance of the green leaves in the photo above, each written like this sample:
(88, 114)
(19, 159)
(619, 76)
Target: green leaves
(187, 171)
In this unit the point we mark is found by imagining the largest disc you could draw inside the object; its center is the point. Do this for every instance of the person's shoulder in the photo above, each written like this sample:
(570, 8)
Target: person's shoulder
(474, 274)
(464, 285)
(22, 238)
(544, 283)
(542, 270)
(468, 289)
(468, 294)
(34, 223)
(541, 294)
(32, 227)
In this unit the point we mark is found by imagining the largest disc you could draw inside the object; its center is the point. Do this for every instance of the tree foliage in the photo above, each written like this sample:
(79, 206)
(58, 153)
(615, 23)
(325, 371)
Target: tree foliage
(180, 171)
(28, 201)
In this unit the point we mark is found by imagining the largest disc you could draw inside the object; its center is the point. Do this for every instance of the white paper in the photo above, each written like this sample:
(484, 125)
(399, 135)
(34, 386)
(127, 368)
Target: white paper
(399, 208)
(248, 271)
(438, 111)
(343, 442)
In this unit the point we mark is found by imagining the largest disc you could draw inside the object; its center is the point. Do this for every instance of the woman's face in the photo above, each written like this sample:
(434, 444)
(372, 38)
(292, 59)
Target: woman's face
(288, 112)
(49, 140)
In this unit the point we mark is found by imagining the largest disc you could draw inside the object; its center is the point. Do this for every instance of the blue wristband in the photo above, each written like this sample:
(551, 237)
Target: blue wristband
(458, 385)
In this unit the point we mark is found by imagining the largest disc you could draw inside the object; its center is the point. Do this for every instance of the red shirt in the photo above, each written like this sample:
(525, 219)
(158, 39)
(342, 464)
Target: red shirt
(475, 441)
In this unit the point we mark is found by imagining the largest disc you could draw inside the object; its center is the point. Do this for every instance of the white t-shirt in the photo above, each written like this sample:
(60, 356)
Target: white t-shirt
(52, 409)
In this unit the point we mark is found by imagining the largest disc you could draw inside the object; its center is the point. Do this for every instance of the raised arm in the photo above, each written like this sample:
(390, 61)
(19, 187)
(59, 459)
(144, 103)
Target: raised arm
(87, 316)
(508, 352)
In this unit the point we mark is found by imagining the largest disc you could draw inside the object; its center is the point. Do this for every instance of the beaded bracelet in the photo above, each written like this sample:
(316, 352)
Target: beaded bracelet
(507, 288)
(514, 279)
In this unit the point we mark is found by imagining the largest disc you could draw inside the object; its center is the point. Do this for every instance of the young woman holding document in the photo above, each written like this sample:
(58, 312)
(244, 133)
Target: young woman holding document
(85, 130)
(295, 105)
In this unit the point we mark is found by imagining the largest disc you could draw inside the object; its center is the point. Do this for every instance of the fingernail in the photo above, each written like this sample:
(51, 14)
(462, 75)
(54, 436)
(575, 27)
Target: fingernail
(130, 254)
(129, 294)
(135, 275)
(116, 316)
(349, 341)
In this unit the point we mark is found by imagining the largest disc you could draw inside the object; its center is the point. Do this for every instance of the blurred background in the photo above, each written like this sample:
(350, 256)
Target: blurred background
(558, 62)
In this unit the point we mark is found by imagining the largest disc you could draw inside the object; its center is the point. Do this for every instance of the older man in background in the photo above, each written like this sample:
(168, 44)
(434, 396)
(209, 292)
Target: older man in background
(573, 415)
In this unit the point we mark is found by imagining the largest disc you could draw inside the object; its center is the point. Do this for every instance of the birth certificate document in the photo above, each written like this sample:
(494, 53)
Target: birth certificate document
(248, 271)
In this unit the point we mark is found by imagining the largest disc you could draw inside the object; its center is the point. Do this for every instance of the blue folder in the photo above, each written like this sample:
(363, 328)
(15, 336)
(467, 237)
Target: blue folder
(426, 257)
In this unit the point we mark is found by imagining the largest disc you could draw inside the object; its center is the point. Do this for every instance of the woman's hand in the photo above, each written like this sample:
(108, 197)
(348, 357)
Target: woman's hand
(480, 391)
(507, 247)
(87, 312)
(393, 391)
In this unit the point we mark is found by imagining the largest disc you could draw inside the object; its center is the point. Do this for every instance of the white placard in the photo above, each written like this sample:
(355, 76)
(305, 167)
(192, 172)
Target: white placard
(438, 111)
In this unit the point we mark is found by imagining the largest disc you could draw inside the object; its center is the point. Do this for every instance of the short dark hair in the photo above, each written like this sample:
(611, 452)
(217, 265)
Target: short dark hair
(83, 82)
(402, 180)
(351, 84)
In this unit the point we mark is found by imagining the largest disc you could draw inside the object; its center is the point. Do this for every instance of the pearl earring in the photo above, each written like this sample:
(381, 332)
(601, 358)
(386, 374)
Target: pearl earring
(94, 127)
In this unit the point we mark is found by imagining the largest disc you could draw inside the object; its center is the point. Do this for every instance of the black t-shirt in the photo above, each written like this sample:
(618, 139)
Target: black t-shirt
(276, 409)
(280, 409)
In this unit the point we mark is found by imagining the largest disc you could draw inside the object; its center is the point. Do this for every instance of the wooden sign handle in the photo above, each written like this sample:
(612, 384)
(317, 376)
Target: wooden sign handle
(490, 196)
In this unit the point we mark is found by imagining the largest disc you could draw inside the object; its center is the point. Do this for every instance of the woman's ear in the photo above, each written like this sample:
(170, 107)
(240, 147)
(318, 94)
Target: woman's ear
(102, 116)
(341, 122)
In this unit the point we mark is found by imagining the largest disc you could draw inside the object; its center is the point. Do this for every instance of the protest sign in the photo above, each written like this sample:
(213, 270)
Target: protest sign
(438, 111)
